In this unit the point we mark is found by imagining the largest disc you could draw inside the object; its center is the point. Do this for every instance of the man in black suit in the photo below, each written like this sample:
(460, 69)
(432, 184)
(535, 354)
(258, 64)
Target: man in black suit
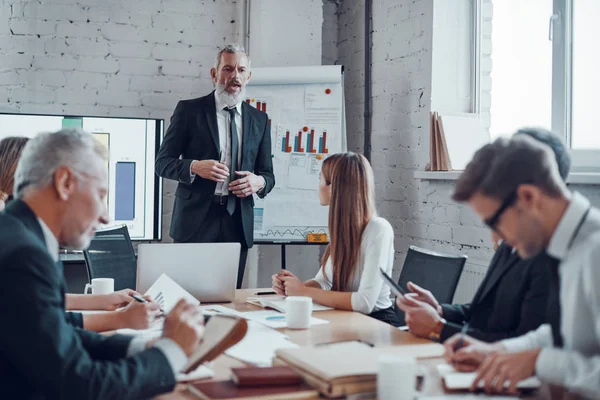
(61, 183)
(513, 297)
(218, 172)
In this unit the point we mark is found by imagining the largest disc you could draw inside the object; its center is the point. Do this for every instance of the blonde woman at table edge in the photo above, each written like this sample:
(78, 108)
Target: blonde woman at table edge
(135, 315)
(360, 243)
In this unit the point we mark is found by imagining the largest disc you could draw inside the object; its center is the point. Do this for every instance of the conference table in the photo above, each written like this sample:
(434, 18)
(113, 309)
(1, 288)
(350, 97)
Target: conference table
(342, 326)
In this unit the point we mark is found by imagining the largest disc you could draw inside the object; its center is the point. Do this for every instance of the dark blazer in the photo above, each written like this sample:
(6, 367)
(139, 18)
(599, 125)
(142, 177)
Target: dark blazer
(194, 135)
(511, 300)
(42, 356)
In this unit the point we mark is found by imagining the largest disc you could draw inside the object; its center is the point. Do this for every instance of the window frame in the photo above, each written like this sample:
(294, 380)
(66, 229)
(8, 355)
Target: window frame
(560, 32)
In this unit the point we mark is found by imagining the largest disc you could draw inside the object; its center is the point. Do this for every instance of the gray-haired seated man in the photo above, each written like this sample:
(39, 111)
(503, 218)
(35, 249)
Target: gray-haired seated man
(62, 182)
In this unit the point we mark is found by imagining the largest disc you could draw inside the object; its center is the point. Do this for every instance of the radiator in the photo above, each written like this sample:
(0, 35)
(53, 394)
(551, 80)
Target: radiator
(470, 279)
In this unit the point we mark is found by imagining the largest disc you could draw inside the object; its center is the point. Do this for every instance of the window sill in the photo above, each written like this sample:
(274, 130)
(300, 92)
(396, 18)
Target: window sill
(580, 178)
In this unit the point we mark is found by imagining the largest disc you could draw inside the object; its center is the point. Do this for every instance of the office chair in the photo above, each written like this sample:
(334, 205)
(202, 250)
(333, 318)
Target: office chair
(439, 273)
(111, 255)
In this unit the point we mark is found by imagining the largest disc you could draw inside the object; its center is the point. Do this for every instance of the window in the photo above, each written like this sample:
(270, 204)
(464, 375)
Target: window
(585, 78)
(539, 67)
(521, 66)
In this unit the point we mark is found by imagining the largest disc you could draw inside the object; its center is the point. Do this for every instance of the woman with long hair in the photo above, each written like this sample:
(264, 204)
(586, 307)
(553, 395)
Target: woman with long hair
(10, 152)
(360, 243)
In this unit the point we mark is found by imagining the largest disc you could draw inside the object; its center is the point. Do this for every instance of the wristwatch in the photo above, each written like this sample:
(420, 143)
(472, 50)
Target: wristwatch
(437, 331)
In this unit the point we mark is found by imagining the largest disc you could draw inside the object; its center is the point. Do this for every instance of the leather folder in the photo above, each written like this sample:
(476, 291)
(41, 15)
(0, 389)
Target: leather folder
(272, 376)
(220, 333)
(227, 390)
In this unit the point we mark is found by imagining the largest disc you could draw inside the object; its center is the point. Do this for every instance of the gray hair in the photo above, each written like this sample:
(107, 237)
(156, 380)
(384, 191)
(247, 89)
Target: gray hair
(499, 168)
(230, 48)
(45, 153)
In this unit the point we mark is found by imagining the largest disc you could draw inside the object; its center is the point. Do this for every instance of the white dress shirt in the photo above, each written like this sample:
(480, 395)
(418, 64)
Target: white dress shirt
(174, 354)
(224, 125)
(577, 365)
(369, 293)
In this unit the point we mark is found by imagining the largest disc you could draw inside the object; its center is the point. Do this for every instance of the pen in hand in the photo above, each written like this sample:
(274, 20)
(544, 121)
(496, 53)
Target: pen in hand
(143, 300)
(463, 332)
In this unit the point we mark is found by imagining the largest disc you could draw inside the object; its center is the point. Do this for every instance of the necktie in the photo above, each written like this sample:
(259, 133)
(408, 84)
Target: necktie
(234, 157)
(553, 311)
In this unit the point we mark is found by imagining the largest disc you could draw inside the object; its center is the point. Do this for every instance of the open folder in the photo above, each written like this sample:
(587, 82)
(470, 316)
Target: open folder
(278, 303)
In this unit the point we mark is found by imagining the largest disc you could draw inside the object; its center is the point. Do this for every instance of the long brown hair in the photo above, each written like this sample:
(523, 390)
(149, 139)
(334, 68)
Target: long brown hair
(10, 152)
(352, 206)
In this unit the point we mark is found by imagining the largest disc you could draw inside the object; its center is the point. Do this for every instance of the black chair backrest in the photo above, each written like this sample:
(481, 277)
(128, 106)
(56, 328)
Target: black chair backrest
(439, 273)
(111, 255)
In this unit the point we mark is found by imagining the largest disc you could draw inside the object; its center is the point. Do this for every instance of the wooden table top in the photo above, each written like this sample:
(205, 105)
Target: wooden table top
(343, 326)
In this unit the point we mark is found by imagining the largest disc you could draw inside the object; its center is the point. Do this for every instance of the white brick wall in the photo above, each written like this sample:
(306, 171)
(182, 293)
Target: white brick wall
(132, 58)
(421, 212)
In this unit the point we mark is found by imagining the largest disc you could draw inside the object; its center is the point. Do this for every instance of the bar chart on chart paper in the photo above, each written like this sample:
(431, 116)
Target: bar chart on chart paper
(306, 112)
(303, 141)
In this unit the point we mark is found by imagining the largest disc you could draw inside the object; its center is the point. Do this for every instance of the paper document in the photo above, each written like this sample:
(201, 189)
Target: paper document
(166, 292)
(216, 309)
(278, 303)
(202, 372)
(275, 319)
(468, 397)
(464, 380)
(89, 312)
(259, 345)
(155, 331)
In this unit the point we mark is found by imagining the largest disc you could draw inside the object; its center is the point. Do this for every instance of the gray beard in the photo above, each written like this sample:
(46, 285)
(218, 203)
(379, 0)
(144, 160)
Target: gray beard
(229, 99)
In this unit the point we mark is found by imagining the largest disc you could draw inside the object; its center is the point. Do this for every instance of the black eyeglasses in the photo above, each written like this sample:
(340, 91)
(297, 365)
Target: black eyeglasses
(508, 201)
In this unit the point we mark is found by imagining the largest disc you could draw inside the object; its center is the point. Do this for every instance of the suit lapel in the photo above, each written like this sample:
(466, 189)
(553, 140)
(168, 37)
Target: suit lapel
(500, 267)
(20, 210)
(210, 113)
(246, 130)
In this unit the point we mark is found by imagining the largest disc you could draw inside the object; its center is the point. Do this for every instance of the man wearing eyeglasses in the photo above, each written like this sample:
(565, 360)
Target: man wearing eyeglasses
(512, 297)
(515, 187)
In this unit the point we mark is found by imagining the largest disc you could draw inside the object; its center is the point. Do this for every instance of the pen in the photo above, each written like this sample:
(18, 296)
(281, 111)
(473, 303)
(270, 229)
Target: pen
(463, 332)
(143, 300)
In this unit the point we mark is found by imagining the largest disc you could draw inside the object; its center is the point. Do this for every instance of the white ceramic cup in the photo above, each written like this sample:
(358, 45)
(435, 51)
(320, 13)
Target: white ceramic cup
(298, 311)
(396, 377)
(100, 286)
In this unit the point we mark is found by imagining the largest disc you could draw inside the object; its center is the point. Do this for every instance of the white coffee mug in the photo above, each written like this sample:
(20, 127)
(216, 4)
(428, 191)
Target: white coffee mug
(298, 311)
(396, 377)
(100, 286)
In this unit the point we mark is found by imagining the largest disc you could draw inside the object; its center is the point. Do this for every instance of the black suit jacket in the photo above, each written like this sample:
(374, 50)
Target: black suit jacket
(511, 300)
(194, 135)
(42, 356)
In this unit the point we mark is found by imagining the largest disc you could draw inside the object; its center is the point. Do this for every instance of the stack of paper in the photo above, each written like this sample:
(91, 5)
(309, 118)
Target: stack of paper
(346, 368)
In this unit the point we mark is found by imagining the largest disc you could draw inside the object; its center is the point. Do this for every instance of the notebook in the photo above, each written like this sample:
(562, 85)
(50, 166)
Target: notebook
(220, 333)
(227, 390)
(464, 380)
(278, 303)
(454, 380)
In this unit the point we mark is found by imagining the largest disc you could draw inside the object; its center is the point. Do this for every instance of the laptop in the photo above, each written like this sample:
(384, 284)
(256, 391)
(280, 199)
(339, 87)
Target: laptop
(207, 270)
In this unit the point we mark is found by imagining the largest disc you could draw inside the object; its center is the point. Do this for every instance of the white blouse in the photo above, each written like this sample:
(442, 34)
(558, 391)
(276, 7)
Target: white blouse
(370, 293)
